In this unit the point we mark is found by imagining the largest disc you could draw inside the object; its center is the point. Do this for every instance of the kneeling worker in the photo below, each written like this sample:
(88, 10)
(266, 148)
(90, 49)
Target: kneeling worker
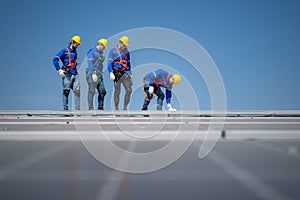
(152, 83)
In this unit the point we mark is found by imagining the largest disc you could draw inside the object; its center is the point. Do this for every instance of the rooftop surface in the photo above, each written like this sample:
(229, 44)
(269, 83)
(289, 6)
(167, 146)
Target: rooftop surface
(253, 155)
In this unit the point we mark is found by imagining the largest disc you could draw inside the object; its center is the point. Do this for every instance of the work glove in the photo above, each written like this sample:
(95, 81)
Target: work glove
(170, 107)
(151, 89)
(95, 77)
(112, 76)
(61, 73)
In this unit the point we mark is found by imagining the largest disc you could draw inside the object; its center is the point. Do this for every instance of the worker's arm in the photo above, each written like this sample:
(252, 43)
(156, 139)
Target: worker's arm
(110, 60)
(168, 100)
(91, 60)
(168, 95)
(129, 63)
(57, 58)
(150, 79)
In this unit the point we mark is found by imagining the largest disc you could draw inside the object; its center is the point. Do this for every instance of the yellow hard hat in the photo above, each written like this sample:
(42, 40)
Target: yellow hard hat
(76, 39)
(125, 40)
(104, 42)
(177, 78)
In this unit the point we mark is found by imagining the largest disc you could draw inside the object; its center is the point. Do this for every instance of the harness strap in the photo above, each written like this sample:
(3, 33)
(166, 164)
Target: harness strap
(73, 64)
(158, 83)
(121, 62)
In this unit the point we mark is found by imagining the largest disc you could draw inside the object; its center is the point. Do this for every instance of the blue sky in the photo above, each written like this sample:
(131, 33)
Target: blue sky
(254, 43)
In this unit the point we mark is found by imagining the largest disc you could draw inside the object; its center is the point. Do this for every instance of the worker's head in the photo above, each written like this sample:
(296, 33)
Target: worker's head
(175, 79)
(102, 44)
(124, 42)
(75, 42)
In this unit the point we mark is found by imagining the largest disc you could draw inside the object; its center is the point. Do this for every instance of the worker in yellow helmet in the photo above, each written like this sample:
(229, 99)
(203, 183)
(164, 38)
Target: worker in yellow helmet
(153, 81)
(68, 71)
(119, 69)
(94, 74)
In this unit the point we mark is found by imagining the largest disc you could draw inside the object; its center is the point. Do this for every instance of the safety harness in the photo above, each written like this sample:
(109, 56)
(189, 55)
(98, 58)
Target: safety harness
(96, 62)
(156, 83)
(122, 62)
(70, 64)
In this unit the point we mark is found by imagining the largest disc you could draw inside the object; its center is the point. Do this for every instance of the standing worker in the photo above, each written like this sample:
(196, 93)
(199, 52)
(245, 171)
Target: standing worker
(94, 74)
(68, 71)
(152, 83)
(119, 69)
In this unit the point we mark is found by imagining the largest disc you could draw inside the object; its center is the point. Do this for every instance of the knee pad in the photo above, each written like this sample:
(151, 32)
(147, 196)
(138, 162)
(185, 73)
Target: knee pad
(66, 93)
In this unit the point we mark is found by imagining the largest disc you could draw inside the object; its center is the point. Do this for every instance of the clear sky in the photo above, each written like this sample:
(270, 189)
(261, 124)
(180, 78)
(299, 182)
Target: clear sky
(254, 43)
